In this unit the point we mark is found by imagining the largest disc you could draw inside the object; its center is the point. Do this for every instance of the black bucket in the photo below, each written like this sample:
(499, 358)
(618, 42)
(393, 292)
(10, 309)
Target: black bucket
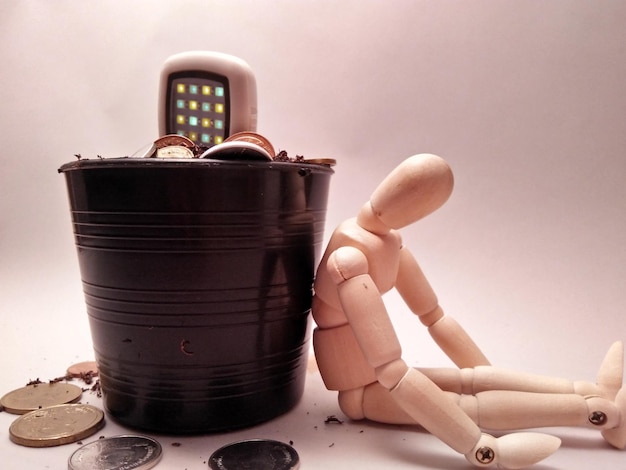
(197, 276)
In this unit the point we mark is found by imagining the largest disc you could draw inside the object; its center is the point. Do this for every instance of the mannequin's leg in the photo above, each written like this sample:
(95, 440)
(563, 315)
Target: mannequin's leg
(483, 378)
(504, 410)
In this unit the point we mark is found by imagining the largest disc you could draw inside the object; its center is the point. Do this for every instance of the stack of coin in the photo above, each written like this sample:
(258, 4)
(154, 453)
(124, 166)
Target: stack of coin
(239, 146)
(50, 416)
(254, 138)
(174, 146)
(262, 142)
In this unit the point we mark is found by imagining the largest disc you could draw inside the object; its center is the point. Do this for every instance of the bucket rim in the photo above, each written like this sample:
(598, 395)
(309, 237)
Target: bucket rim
(130, 162)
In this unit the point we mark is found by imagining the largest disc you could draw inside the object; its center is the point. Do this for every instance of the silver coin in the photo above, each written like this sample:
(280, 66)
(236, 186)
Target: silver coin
(146, 152)
(117, 453)
(237, 150)
(257, 454)
(174, 151)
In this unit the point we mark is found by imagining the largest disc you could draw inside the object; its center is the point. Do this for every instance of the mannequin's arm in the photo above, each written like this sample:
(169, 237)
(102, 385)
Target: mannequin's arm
(447, 333)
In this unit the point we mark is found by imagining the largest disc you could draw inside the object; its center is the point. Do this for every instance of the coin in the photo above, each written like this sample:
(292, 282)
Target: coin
(33, 397)
(82, 369)
(174, 139)
(115, 453)
(321, 161)
(237, 150)
(174, 151)
(253, 138)
(149, 153)
(56, 425)
(259, 454)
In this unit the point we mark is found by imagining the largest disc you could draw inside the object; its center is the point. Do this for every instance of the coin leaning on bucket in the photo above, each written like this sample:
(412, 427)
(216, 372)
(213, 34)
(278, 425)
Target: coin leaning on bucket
(244, 145)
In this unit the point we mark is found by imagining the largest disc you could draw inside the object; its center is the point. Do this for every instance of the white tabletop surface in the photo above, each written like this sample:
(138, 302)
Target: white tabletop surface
(350, 445)
(46, 349)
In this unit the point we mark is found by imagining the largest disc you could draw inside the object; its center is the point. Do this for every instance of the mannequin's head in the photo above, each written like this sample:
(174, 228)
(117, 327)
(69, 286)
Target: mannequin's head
(415, 188)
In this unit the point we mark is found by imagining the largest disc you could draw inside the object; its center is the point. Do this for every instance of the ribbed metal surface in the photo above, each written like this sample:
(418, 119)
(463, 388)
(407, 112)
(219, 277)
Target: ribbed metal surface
(197, 279)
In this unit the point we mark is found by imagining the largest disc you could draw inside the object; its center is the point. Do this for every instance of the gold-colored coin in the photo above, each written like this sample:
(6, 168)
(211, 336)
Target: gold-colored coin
(174, 151)
(321, 161)
(174, 139)
(33, 397)
(253, 138)
(56, 425)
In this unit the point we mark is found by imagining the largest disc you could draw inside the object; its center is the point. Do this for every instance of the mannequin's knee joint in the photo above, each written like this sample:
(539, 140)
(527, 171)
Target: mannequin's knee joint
(345, 263)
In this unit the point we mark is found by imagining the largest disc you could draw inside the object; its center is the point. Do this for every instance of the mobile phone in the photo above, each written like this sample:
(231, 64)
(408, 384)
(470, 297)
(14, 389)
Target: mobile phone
(206, 97)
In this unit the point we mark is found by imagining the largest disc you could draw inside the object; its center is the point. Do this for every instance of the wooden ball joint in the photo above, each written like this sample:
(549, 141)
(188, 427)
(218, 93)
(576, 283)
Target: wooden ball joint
(359, 354)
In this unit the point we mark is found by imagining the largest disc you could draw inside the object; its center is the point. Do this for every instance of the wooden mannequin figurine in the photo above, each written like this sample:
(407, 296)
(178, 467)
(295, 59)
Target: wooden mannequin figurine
(359, 354)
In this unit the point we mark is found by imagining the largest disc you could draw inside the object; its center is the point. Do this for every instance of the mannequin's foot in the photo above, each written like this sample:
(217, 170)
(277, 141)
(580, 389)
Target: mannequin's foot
(617, 436)
(517, 450)
(611, 371)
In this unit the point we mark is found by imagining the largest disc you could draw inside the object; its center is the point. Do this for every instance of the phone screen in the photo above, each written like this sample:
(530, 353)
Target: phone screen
(199, 107)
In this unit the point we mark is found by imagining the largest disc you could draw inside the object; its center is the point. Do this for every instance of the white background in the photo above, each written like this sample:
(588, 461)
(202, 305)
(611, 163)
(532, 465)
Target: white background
(524, 99)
